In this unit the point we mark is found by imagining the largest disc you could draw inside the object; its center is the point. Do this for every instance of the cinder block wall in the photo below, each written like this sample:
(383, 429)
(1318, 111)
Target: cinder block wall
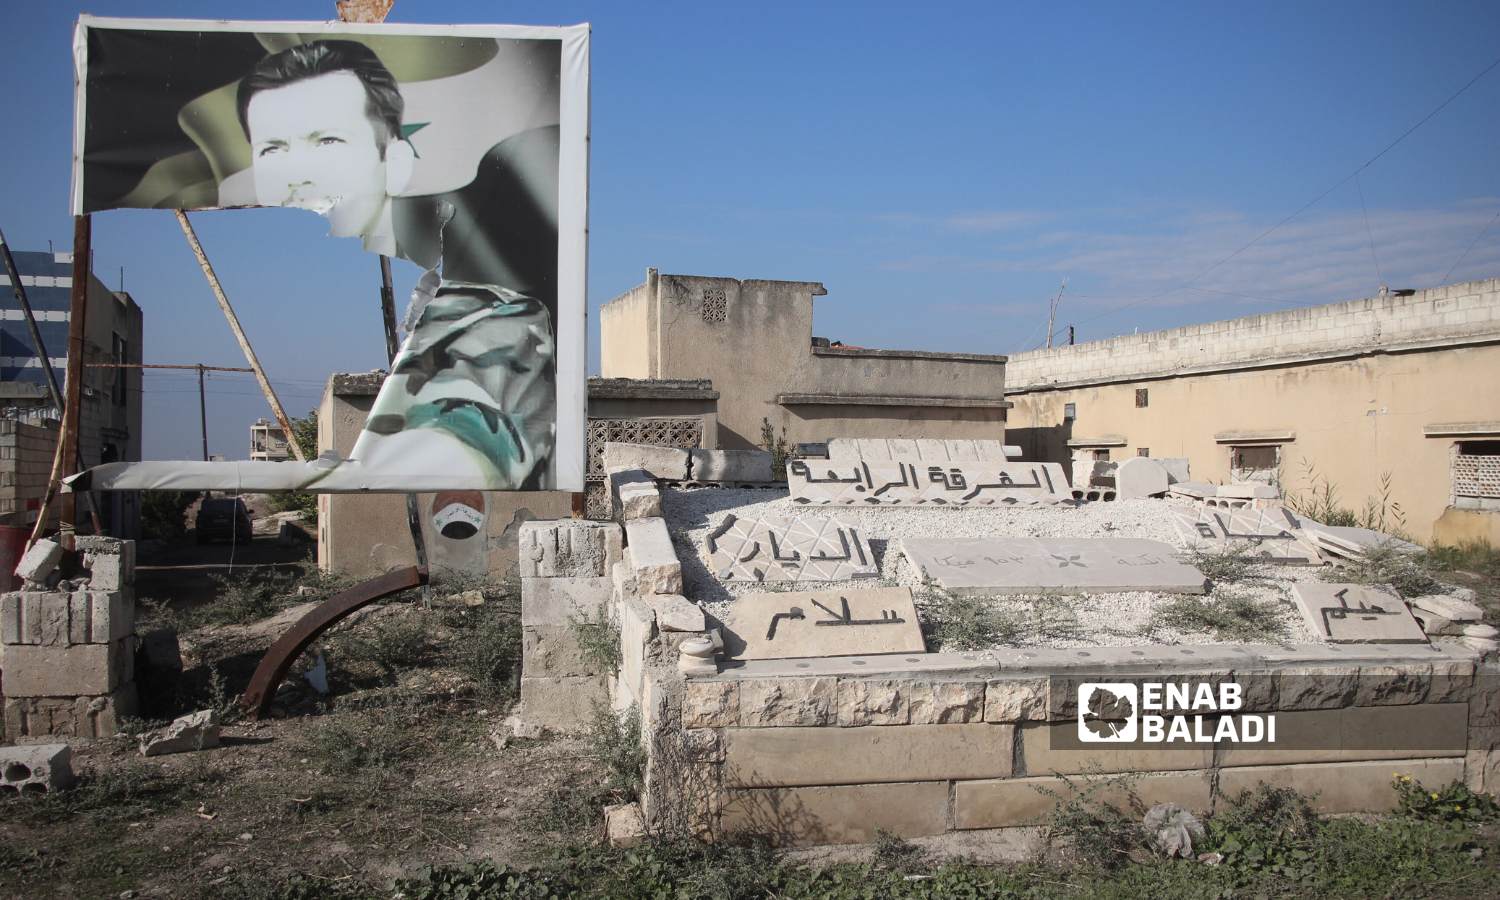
(25, 465)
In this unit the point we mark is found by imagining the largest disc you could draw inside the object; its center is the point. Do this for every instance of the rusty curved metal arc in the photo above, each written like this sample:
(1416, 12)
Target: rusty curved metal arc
(279, 658)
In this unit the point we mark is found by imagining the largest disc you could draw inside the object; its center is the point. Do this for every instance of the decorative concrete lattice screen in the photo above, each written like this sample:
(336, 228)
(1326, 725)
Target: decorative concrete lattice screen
(1476, 476)
(665, 431)
(715, 305)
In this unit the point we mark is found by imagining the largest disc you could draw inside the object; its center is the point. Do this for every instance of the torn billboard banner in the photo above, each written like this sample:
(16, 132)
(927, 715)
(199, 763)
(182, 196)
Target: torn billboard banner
(461, 148)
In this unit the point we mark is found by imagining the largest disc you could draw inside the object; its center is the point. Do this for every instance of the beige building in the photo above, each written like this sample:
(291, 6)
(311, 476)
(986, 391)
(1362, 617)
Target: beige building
(754, 341)
(1391, 398)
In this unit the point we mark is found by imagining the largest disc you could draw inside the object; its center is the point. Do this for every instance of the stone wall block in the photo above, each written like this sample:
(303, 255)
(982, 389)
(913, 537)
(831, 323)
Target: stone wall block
(730, 465)
(846, 814)
(675, 612)
(1016, 700)
(1316, 687)
(637, 629)
(568, 548)
(666, 463)
(1452, 681)
(788, 702)
(711, 704)
(652, 559)
(633, 494)
(946, 702)
(1393, 685)
(100, 616)
(786, 757)
(79, 717)
(1484, 702)
(1343, 787)
(564, 704)
(84, 669)
(872, 702)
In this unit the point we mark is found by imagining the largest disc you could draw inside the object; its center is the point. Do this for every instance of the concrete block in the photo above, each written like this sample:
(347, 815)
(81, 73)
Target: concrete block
(946, 702)
(1002, 803)
(848, 814)
(568, 548)
(57, 619)
(652, 560)
(40, 560)
(554, 651)
(98, 617)
(624, 826)
(783, 702)
(711, 704)
(79, 717)
(1249, 491)
(1054, 750)
(666, 463)
(637, 629)
(863, 702)
(1016, 700)
(1343, 787)
(633, 495)
(194, 731)
(1358, 733)
(675, 612)
(1454, 609)
(36, 769)
(1140, 476)
(1178, 469)
(83, 669)
(110, 563)
(784, 757)
(558, 602)
(564, 705)
(730, 465)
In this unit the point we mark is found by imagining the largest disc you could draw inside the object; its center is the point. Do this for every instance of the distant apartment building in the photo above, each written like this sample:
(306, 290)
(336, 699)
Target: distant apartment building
(110, 396)
(268, 442)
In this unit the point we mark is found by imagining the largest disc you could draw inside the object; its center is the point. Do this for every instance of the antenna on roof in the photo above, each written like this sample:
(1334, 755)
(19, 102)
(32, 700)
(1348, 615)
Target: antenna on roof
(1052, 311)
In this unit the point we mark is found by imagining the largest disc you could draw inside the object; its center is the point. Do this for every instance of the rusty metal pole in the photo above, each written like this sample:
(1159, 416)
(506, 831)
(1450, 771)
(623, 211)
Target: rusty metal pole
(203, 411)
(388, 308)
(239, 333)
(78, 303)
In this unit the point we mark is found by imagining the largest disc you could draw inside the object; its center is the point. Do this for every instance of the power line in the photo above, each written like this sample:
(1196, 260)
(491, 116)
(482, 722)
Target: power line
(1379, 278)
(1472, 245)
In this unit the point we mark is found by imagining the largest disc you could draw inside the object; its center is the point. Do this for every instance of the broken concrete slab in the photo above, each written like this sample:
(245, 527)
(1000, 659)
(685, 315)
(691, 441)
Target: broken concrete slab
(781, 548)
(675, 612)
(633, 494)
(1138, 477)
(1178, 468)
(666, 463)
(1266, 535)
(1356, 613)
(989, 566)
(1449, 607)
(795, 624)
(35, 769)
(867, 482)
(1194, 490)
(194, 731)
(652, 560)
(1351, 542)
(109, 562)
(568, 548)
(748, 466)
(40, 560)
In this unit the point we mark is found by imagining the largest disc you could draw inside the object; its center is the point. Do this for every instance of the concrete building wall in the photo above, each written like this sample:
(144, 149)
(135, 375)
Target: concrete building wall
(753, 339)
(1346, 392)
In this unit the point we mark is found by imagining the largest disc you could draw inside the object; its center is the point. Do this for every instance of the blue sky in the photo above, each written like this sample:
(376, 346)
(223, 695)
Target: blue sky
(941, 169)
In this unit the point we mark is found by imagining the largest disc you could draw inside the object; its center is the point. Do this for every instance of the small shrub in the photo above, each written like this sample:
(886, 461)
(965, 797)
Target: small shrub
(777, 445)
(1088, 829)
(614, 743)
(393, 644)
(1478, 557)
(375, 743)
(1225, 565)
(1269, 829)
(1406, 572)
(163, 513)
(598, 642)
(968, 623)
(1454, 803)
(486, 647)
(897, 855)
(1229, 615)
(247, 597)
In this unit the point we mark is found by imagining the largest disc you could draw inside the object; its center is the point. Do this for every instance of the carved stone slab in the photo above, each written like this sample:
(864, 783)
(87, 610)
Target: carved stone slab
(1266, 534)
(1357, 613)
(793, 624)
(778, 548)
(1352, 543)
(1074, 566)
(866, 482)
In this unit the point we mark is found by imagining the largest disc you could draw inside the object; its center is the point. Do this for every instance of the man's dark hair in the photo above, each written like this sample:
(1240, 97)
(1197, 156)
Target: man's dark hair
(383, 101)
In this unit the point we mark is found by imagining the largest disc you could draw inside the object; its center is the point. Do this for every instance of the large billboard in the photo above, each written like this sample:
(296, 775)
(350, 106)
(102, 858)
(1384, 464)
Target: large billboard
(463, 149)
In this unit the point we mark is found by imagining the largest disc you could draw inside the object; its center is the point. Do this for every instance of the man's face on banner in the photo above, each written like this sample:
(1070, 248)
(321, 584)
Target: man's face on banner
(314, 147)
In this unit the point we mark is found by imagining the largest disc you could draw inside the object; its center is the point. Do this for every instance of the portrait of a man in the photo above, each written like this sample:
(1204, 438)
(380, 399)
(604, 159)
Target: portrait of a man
(439, 149)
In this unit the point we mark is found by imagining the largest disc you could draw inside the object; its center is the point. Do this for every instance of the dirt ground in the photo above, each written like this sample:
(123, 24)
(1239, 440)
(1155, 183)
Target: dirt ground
(404, 763)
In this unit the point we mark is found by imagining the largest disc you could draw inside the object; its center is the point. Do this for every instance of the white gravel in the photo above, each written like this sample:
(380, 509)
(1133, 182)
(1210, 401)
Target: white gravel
(1050, 621)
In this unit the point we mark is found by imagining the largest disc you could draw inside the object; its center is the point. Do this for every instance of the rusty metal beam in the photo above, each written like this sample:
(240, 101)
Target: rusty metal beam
(279, 658)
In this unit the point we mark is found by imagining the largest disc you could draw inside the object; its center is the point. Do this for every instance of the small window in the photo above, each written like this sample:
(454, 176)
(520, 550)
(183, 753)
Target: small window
(1476, 475)
(1101, 455)
(1255, 458)
(1070, 410)
(1143, 451)
(1142, 398)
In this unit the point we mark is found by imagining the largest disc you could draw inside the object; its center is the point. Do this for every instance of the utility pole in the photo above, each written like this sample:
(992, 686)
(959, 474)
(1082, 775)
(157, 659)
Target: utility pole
(1052, 311)
(78, 303)
(1070, 335)
(202, 398)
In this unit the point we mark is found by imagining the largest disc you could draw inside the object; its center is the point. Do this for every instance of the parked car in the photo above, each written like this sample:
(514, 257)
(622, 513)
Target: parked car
(223, 517)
